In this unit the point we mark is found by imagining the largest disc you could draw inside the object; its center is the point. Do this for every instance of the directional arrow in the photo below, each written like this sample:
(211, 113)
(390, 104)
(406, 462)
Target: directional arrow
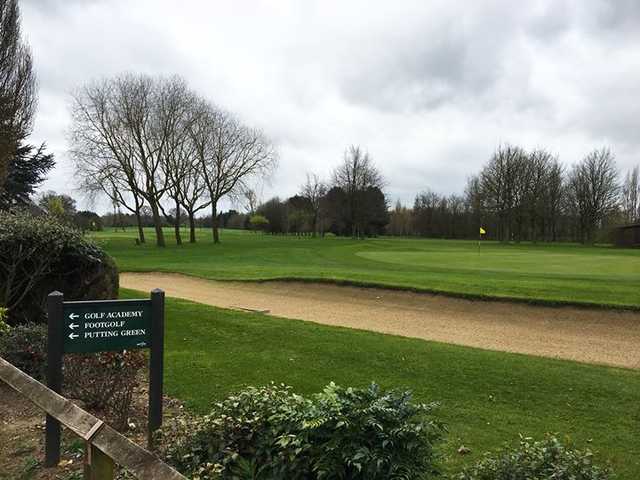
(73, 316)
(73, 336)
(141, 344)
(73, 326)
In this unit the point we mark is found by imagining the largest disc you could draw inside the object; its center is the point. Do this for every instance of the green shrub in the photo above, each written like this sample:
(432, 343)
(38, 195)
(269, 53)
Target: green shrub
(4, 326)
(25, 346)
(549, 459)
(39, 255)
(272, 433)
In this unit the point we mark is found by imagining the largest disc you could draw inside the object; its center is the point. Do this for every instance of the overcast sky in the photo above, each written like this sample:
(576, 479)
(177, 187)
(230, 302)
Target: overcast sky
(429, 88)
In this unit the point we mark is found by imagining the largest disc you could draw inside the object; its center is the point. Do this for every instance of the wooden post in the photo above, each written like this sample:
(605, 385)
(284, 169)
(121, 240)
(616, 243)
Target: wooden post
(156, 364)
(54, 373)
(97, 465)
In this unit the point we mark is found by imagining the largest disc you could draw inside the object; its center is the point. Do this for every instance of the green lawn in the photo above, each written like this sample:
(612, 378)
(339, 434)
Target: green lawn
(487, 397)
(555, 273)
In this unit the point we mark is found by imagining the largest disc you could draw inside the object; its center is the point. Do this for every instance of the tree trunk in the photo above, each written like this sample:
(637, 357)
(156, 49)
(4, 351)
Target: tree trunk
(140, 229)
(192, 228)
(176, 225)
(214, 223)
(157, 223)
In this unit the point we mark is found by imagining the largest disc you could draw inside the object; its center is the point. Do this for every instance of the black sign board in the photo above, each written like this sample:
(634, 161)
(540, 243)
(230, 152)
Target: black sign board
(100, 326)
(108, 325)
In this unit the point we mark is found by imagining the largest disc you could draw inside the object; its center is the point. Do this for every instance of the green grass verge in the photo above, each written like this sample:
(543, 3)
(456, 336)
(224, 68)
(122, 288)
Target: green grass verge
(558, 273)
(487, 397)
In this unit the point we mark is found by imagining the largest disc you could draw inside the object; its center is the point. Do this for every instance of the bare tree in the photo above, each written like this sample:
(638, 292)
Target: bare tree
(498, 182)
(230, 154)
(18, 89)
(355, 176)
(250, 200)
(553, 199)
(314, 191)
(631, 196)
(133, 124)
(593, 191)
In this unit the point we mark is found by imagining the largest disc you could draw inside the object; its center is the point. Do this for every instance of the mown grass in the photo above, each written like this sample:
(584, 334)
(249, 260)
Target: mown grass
(557, 273)
(487, 398)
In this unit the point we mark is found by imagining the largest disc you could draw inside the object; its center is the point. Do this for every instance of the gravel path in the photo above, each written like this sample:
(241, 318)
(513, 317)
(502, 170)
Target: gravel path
(586, 335)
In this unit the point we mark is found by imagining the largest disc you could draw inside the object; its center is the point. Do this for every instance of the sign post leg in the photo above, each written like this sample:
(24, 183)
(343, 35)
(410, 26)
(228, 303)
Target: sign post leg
(54, 373)
(156, 363)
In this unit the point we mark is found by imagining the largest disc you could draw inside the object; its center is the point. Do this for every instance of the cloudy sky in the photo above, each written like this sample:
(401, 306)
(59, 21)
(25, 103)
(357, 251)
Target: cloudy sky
(429, 88)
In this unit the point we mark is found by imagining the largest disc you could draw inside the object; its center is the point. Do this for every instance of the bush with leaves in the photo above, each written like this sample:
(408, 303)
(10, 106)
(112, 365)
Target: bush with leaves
(548, 459)
(272, 433)
(38, 255)
(25, 346)
(4, 326)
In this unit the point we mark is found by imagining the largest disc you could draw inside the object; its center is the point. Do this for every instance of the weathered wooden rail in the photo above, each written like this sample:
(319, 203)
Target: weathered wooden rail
(104, 446)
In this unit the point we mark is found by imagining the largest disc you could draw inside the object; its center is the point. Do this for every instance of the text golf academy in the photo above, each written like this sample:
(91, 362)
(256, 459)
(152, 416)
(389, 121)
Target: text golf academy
(104, 322)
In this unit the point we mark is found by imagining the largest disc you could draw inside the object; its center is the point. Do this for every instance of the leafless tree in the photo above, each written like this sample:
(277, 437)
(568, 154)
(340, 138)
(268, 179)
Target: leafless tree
(553, 198)
(499, 184)
(230, 154)
(250, 200)
(355, 176)
(631, 196)
(18, 89)
(133, 125)
(314, 191)
(593, 191)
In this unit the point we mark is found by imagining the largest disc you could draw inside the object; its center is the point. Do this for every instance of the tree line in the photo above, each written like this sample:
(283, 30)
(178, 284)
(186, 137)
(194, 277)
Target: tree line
(528, 195)
(516, 196)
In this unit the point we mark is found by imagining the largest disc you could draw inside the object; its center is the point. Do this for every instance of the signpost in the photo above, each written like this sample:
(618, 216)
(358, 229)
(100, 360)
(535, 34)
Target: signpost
(104, 326)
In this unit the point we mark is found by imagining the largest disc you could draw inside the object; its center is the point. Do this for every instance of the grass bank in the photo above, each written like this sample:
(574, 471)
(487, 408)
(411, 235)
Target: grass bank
(487, 397)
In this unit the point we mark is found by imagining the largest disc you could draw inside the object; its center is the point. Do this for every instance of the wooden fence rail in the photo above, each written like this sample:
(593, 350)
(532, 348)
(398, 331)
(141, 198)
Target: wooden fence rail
(105, 445)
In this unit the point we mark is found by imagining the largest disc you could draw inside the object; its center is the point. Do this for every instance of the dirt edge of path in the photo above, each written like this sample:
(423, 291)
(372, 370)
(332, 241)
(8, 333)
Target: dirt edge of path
(591, 335)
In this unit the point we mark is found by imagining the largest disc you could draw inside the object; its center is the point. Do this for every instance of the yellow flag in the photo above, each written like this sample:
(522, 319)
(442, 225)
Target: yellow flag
(482, 231)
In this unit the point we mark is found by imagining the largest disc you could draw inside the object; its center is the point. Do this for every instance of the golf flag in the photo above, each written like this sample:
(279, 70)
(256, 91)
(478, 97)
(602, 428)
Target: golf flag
(482, 231)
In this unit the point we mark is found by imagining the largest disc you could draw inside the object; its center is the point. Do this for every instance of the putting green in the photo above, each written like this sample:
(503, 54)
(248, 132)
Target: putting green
(521, 261)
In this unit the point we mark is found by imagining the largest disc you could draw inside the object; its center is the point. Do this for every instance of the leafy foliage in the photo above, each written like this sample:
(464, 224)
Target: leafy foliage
(25, 346)
(39, 255)
(26, 170)
(258, 222)
(549, 459)
(272, 433)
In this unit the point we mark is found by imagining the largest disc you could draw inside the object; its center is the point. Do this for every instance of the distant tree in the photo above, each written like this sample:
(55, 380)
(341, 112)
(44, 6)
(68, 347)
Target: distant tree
(230, 154)
(356, 176)
(631, 196)
(593, 191)
(338, 215)
(276, 213)
(400, 221)
(314, 191)
(250, 200)
(502, 187)
(88, 221)
(59, 206)
(258, 222)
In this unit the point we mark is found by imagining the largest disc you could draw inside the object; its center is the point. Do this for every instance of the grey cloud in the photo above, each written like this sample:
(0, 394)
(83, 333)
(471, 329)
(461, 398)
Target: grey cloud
(428, 87)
